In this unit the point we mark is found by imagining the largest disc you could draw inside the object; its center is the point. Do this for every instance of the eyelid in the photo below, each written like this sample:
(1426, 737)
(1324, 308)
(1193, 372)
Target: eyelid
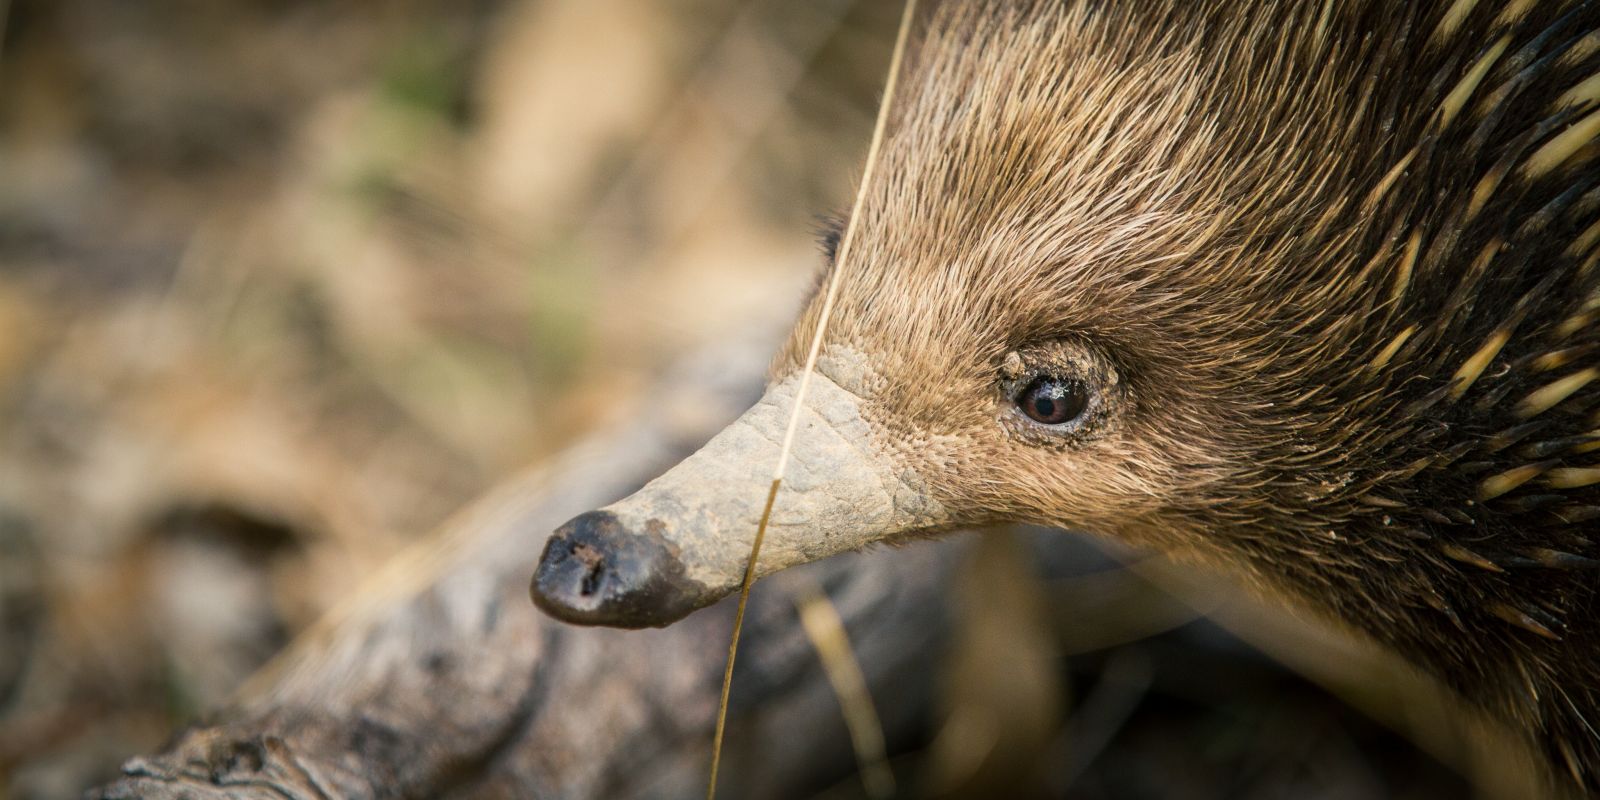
(1068, 360)
(1012, 366)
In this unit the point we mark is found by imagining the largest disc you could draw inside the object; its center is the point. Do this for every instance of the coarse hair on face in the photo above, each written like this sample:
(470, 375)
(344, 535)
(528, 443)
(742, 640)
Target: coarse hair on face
(1164, 189)
(1318, 264)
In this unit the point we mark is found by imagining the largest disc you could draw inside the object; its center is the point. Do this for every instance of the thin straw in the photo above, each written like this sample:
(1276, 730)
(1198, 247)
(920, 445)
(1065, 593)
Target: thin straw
(805, 383)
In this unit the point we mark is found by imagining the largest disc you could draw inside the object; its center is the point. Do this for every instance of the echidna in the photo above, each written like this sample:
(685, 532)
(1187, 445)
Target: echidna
(1308, 290)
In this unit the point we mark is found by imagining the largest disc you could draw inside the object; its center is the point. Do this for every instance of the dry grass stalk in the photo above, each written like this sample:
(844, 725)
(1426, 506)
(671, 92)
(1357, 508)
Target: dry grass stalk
(805, 380)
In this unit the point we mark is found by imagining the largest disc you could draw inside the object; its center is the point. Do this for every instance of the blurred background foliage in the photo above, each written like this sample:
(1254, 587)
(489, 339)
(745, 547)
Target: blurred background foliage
(283, 283)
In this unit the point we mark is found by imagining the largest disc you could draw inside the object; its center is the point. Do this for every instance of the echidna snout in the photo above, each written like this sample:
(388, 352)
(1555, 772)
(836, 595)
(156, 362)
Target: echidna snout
(682, 541)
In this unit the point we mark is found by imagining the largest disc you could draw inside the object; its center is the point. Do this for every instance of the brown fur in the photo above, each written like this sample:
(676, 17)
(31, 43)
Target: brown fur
(1331, 269)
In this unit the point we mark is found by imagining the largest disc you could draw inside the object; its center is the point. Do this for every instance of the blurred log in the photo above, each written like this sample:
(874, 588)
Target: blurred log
(440, 679)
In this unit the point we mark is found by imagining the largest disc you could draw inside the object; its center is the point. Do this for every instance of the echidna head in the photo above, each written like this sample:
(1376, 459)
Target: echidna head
(1055, 311)
(1307, 289)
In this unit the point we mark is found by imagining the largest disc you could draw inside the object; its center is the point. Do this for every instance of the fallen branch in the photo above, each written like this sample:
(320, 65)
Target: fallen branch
(440, 679)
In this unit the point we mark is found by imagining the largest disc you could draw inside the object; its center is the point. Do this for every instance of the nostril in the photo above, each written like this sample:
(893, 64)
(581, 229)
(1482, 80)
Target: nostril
(590, 563)
(595, 565)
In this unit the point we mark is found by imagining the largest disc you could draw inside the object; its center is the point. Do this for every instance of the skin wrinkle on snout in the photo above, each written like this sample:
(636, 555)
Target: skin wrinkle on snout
(842, 492)
(847, 368)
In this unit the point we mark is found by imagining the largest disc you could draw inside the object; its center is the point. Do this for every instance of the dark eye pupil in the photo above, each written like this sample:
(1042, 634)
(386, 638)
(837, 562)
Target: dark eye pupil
(1052, 401)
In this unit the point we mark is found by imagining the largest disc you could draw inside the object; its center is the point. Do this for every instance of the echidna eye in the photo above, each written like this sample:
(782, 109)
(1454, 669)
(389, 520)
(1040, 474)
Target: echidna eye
(1053, 401)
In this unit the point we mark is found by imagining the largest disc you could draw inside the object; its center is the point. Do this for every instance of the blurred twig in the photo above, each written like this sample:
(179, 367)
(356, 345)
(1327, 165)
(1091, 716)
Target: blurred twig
(1098, 718)
(743, 84)
(1376, 682)
(826, 631)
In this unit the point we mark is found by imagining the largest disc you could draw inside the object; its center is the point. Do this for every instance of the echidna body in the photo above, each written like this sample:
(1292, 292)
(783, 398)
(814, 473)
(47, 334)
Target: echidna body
(1308, 290)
